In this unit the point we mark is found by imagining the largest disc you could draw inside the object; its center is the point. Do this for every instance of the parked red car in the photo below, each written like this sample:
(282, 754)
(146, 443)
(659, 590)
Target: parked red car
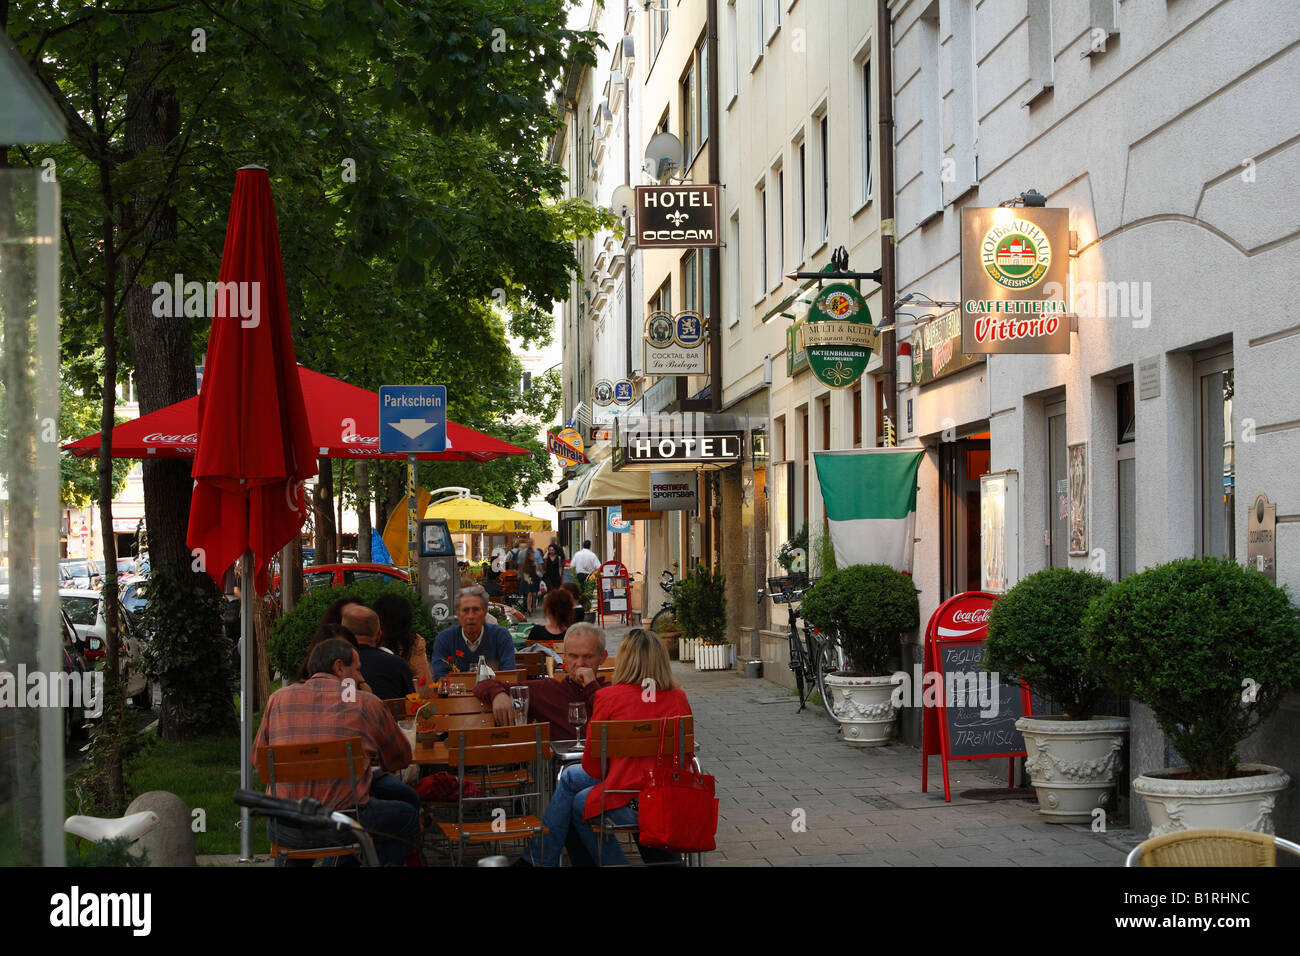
(336, 575)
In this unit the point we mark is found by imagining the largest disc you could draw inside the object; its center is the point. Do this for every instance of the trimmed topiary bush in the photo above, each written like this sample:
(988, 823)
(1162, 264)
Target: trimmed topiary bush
(291, 633)
(867, 606)
(1210, 646)
(1036, 636)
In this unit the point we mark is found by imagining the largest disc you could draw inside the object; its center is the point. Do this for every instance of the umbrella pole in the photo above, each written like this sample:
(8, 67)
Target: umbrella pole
(247, 651)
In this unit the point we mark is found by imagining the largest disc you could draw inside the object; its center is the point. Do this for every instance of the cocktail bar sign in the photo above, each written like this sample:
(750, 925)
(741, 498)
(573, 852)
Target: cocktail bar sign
(1014, 268)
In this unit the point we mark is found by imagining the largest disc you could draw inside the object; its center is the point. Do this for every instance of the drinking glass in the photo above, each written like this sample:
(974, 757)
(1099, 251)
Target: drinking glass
(578, 717)
(519, 700)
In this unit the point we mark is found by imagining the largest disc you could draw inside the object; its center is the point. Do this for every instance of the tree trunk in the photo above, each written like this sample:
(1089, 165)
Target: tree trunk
(362, 471)
(323, 504)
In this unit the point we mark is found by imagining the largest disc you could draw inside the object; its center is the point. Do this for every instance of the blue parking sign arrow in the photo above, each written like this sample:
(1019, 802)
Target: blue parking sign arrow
(413, 418)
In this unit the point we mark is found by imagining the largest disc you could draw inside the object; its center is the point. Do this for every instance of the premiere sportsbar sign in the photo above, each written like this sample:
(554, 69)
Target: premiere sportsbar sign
(677, 217)
(1014, 266)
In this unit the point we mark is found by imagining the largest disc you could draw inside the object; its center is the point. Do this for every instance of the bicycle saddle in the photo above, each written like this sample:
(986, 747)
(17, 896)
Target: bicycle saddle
(97, 829)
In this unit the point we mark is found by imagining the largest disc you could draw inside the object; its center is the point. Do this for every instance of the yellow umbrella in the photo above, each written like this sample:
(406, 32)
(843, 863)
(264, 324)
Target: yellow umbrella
(470, 515)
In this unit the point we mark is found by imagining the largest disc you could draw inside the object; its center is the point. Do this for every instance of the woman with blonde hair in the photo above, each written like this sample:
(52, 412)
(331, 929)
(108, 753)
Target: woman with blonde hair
(643, 688)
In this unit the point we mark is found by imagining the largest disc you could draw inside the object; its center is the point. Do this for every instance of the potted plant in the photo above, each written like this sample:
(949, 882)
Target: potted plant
(589, 598)
(793, 555)
(1211, 647)
(700, 606)
(1036, 636)
(867, 607)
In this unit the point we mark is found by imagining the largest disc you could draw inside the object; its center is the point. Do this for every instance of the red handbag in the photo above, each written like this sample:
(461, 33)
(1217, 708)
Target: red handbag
(677, 811)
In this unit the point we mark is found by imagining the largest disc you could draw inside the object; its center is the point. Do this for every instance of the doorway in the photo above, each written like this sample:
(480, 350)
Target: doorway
(961, 463)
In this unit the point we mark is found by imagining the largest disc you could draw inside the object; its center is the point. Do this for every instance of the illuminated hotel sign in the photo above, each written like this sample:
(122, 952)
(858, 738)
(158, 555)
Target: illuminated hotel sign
(1014, 268)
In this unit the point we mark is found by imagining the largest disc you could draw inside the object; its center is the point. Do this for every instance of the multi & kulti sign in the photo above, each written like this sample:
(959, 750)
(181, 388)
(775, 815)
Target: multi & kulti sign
(838, 336)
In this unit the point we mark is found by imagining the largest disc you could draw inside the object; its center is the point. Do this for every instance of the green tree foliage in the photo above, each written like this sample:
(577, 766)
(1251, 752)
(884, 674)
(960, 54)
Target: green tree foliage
(1210, 646)
(1036, 636)
(79, 479)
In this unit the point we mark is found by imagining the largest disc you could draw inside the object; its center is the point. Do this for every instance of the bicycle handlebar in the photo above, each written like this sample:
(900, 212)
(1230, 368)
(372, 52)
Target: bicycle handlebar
(307, 812)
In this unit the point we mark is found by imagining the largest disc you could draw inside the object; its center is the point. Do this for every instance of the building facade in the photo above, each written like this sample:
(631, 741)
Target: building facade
(1173, 410)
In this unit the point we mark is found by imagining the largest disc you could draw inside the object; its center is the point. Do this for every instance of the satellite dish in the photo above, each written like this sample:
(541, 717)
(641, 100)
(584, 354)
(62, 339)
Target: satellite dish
(623, 201)
(664, 157)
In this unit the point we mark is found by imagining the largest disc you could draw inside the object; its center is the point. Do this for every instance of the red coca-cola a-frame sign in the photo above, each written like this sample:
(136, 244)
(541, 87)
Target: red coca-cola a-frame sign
(952, 726)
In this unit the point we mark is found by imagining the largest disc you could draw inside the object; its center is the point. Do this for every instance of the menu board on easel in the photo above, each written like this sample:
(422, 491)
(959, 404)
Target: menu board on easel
(969, 726)
(614, 592)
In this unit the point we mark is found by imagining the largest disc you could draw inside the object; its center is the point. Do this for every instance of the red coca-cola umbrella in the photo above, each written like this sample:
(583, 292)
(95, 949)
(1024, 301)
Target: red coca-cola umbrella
(344, 422)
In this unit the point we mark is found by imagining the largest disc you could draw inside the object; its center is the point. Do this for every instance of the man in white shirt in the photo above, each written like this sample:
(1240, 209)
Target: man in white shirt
(584, 562)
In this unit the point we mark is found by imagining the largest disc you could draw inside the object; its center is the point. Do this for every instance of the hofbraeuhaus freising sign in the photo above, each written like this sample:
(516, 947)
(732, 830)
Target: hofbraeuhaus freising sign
(1014, 266)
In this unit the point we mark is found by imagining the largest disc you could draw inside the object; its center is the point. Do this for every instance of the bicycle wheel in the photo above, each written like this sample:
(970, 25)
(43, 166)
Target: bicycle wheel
(796, 665)
(664, 620)
(830, 660)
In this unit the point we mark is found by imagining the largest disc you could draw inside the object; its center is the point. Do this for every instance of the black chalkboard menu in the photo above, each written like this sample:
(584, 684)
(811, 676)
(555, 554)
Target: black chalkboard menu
(967, 716)
(981, 721)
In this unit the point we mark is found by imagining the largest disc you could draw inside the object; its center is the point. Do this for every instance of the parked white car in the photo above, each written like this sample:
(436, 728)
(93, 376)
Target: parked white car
(85, 609)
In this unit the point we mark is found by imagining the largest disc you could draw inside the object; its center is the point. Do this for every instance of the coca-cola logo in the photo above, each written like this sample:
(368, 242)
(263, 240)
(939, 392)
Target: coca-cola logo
(361, 439)
(159, 438)
(979, 616)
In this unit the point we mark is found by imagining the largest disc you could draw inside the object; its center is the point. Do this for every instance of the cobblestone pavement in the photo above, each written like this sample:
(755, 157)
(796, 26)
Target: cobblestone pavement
(861, 807)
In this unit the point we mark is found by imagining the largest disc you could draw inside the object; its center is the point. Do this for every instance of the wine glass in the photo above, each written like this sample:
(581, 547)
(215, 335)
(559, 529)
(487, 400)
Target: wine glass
(578, 717)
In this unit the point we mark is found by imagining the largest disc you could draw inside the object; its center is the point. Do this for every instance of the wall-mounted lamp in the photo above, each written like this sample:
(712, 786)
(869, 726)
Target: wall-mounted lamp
(1030, 197)
(767, 370)
(904, 366)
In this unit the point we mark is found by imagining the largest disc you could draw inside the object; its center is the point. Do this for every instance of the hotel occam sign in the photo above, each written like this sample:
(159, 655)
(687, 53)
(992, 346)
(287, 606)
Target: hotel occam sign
(677, 217)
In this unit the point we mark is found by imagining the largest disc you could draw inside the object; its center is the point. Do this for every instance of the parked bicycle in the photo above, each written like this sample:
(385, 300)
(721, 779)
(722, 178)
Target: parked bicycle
(665, 613)
(813, 654)
(310, 814)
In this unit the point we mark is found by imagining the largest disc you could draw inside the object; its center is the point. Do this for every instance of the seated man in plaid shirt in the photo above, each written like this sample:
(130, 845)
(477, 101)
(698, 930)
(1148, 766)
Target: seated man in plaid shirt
(330, 706)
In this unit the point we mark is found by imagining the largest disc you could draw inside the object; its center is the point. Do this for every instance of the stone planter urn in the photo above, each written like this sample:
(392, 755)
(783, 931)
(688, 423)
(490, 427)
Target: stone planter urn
(1244, 802)
(864, 707)
(1073, 763)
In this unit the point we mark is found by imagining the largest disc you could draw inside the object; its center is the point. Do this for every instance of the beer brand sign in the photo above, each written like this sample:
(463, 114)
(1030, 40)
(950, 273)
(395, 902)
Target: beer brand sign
(677, 217)
(1014, 267)
(567, 446)
(838, 336)
(674, 345)
(936, 350)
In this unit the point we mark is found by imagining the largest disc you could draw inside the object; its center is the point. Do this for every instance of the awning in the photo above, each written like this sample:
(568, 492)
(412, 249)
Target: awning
(605, 487)
(475, 515)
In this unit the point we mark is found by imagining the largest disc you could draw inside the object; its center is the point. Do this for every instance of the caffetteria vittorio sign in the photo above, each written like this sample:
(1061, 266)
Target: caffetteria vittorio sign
(1014, 265)
(838, 336)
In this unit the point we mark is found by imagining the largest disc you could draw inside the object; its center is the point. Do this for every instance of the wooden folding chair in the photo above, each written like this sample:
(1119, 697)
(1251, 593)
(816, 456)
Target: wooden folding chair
(399, 707)
(639, 738)
(306, 762)
(532, 663)
(479, 750)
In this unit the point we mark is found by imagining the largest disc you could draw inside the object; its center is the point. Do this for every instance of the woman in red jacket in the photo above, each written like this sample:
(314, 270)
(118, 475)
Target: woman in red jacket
(643, 687)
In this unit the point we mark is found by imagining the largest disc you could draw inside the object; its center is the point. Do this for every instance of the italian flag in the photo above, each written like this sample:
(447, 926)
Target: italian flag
(870, 496)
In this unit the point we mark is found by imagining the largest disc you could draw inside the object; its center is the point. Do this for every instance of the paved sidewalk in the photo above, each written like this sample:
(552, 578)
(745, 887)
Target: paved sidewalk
(775, 768)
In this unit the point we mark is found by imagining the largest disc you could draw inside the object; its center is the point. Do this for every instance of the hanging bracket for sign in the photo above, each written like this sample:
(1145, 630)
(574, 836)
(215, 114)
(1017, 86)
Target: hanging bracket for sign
(839, 271)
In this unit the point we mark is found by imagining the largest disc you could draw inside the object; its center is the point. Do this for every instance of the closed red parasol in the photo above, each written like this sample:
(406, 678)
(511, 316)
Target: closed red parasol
(255, 446)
